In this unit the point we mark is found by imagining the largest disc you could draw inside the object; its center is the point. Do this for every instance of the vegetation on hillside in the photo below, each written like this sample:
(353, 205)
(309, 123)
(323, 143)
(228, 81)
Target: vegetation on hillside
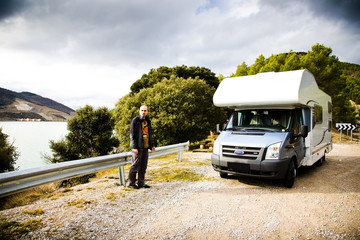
(8, 154)
(351, 72)
(161, 73)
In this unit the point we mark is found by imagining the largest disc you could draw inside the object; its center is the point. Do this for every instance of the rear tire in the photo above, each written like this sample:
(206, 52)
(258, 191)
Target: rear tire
(320, 161)
(290, 175)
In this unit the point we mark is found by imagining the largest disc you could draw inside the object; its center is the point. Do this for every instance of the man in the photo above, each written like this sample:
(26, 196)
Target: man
(140, 141)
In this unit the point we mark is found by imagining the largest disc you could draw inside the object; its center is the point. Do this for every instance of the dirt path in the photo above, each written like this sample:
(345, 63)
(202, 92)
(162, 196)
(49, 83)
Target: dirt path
(323, 204)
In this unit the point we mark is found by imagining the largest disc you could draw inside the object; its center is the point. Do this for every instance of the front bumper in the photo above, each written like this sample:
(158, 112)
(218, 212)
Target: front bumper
(272, 169)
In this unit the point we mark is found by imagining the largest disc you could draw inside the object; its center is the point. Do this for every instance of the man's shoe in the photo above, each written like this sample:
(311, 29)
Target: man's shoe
(144, 186)
(133, 186)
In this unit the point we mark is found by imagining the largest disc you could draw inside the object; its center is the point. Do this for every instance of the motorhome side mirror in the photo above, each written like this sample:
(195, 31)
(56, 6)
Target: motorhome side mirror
(218, 130)
(304, 131)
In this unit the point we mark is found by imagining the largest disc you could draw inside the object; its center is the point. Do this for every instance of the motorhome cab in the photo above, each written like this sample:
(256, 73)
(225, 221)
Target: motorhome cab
(281, 121)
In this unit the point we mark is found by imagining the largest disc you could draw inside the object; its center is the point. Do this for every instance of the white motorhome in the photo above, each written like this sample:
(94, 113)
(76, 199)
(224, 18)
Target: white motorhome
(281, 121)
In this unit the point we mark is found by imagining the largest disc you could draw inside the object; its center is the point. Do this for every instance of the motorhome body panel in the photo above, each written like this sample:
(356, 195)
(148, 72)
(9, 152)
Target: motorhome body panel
(319, 140)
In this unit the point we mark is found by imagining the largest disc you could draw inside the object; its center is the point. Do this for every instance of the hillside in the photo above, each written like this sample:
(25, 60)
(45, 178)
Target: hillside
(30, 106)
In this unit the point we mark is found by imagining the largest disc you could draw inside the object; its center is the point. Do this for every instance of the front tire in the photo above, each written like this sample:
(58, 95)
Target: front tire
(290, 175)
(223, 175)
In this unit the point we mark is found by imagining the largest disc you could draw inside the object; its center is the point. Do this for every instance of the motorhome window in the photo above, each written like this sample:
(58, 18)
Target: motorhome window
(318, 114)
(272, 120)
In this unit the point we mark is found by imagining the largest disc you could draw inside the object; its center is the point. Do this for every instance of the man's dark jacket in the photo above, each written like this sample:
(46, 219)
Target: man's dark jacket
(136, 137)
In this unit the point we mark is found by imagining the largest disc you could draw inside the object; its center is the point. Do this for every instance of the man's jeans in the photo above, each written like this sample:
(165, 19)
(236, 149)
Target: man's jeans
(139, 165)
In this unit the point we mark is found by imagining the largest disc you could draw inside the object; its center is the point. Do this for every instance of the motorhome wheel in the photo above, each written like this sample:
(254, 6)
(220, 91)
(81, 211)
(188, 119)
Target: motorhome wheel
(223, 175)
(320, 161)
(290, 176)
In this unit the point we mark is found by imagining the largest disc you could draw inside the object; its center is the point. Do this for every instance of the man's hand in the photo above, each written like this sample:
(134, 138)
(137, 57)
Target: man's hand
(135, 151)
(153, 149)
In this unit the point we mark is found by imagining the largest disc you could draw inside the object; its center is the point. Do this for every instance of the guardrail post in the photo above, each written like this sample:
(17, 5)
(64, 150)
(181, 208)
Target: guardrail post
(122, 175)
(179, 156)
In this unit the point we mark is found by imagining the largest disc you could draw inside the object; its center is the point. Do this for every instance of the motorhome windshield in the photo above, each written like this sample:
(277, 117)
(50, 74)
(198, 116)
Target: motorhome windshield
(266, 120)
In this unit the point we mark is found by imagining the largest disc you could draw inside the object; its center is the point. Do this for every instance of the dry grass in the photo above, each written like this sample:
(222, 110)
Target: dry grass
(167, 169)
(344, 138)
(35, 212)
(15, 230)
(78, 203)
(111, 196)
(29, 196)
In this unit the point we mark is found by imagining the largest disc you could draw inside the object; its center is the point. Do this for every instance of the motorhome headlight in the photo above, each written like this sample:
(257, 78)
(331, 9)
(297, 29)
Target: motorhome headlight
(273, 151)
(216, 147)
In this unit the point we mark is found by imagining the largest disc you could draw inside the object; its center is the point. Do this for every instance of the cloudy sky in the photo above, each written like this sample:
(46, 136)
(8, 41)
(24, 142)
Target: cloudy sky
(81, 52)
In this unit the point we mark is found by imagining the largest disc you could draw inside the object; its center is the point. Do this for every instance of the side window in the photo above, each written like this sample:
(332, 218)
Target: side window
(317, 115)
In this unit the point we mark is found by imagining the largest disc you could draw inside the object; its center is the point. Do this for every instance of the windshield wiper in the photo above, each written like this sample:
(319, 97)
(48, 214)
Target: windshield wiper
(236, 129)
(261, 129)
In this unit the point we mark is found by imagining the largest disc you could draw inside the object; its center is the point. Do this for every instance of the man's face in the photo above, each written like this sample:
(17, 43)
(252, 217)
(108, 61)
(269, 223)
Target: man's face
(143, 111)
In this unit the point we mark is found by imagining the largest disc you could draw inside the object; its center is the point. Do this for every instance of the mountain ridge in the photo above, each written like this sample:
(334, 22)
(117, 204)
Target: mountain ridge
(30, 106)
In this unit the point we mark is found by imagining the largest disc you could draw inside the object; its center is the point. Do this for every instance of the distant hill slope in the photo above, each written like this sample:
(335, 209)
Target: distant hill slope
(26, 105)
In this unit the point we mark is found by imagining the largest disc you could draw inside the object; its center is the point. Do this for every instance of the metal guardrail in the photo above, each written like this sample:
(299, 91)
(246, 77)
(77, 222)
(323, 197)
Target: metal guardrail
(16, 181)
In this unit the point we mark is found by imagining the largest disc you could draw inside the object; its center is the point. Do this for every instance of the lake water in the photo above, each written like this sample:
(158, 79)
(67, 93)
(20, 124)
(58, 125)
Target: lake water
(32, 140)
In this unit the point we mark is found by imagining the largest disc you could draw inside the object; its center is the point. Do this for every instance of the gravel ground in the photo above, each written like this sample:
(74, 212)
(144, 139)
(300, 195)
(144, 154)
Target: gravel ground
(323, 204)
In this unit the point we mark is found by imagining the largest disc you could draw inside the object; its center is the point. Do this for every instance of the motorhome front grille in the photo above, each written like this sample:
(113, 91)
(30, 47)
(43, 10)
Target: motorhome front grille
(249, 153)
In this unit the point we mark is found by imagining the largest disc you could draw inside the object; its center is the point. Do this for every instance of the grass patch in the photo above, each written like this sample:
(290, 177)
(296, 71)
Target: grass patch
(78, 203)
(111, 196)
(65, 190)
(167, 168)
(15, 230)
(107, 172)
(344, 138)
(55, 195)
(168, 174)
(35, 212)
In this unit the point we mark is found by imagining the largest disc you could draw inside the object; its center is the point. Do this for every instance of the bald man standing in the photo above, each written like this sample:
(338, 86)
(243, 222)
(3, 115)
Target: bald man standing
(141, 142)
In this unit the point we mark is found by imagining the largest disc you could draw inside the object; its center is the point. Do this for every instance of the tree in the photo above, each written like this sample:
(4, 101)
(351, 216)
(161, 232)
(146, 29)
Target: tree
(90, 135)
(155, 76)
(256, 67)
(8, 154)
(292, 62)
(241, 70)
(325, 68)
(180, 110)
(351, 72)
